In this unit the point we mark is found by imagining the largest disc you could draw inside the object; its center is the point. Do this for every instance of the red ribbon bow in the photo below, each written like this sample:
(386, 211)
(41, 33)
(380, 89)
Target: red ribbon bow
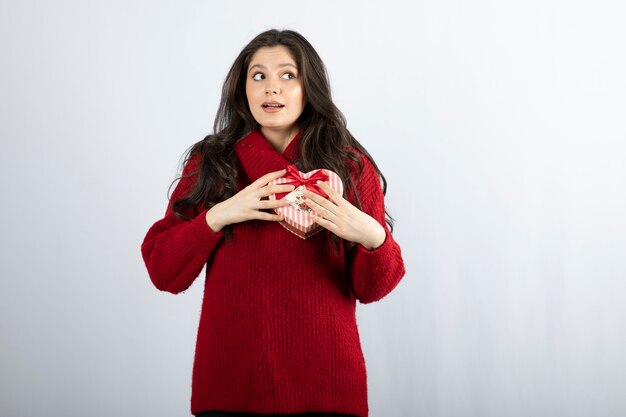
(294, 178)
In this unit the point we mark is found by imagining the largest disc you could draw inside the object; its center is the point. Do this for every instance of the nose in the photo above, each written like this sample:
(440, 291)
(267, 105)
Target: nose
(272, 89)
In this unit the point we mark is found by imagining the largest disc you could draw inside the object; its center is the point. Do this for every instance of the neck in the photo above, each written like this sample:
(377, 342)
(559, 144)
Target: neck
(279, 139)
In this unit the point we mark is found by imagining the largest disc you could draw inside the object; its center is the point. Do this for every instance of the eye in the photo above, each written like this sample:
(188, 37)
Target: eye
(258, 76)
(288, 76)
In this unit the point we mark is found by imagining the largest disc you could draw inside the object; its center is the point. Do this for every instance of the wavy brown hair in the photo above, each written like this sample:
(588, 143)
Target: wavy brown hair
(325, 141)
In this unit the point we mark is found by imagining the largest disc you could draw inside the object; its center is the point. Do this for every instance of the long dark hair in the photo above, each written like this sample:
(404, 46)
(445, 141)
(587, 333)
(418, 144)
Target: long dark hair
(325, 141)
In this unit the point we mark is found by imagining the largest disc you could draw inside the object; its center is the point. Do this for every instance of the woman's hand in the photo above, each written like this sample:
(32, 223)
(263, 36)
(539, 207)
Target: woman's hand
(248, 203)
(343, 219)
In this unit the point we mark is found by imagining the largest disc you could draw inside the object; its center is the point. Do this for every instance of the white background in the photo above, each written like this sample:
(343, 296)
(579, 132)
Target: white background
(499, 125)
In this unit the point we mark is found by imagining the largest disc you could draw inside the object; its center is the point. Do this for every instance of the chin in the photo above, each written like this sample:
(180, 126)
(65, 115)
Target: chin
(276, 125)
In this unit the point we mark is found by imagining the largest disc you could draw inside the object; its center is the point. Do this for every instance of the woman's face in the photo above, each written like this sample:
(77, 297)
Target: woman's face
(274, 90)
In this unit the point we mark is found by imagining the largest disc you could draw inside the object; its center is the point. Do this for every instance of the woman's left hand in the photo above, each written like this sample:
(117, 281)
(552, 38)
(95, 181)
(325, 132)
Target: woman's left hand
(343, 219)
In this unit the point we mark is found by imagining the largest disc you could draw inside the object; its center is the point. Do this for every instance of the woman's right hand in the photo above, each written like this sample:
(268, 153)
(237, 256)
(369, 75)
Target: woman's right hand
(248, 203)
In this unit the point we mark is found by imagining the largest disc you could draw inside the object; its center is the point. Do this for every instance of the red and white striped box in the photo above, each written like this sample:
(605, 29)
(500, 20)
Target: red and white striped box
(297, 218)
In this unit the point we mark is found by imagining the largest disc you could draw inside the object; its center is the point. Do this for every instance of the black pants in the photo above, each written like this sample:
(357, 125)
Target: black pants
(229, 414)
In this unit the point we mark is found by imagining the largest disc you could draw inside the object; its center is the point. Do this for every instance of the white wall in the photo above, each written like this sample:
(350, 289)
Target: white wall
(499, 125)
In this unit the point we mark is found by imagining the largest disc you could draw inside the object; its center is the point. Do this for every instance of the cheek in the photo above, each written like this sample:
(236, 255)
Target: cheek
(299, 95)
(250, 92)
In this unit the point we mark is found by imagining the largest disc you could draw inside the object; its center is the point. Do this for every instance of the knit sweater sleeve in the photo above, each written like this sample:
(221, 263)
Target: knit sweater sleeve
(175, 250)
(374, 273)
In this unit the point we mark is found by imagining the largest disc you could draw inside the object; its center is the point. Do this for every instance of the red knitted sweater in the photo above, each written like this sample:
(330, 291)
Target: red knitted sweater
(278, 331)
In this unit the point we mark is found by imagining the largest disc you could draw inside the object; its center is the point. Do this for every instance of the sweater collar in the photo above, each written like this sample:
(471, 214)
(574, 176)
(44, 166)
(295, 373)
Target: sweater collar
(258, 157)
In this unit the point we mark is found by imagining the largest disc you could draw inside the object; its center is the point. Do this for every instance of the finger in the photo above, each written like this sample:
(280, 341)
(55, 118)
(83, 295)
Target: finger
(268, 190)
(272, 204)
(320, 210)
(333, 195)
(261, 215)
(326, 224)
(268, 177)
(321, 201)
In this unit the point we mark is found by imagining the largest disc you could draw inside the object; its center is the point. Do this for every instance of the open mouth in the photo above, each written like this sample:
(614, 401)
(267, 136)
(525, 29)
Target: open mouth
(272, 105)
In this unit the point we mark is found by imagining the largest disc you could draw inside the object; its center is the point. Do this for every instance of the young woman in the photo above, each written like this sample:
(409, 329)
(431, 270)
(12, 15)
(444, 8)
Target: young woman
(278, 332)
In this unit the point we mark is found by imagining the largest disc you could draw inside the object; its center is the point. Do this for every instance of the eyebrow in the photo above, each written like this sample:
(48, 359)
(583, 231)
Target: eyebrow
(279, 66)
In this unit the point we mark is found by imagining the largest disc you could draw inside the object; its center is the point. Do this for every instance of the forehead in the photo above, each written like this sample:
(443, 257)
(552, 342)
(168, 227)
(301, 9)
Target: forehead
(273, 56)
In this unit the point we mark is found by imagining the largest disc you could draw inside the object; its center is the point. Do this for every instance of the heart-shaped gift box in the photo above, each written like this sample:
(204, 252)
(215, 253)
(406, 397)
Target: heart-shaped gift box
(297, 218)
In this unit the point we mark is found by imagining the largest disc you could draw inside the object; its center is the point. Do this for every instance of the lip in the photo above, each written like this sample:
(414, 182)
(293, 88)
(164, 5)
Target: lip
(275, 106)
